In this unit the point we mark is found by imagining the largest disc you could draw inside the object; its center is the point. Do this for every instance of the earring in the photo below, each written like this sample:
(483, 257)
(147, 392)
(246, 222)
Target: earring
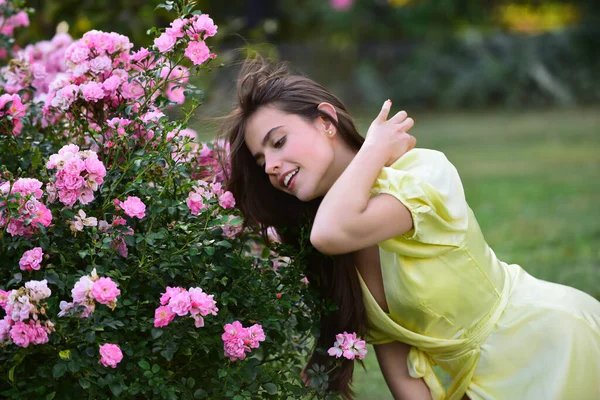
(330, 132)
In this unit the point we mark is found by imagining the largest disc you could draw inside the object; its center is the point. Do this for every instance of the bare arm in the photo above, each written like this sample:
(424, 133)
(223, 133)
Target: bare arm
(392, 360)
(347, 219)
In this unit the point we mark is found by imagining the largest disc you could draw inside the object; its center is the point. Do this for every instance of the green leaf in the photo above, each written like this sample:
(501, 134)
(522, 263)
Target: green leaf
(84, 383)
(51, 396)
(155, 368)
(271, 388)
(11, 374)
(59, 370)
(221, 373)
(191, 382)
(156, 333)
(116, 388)
(90, 336)
(144, 365)
(200, 394)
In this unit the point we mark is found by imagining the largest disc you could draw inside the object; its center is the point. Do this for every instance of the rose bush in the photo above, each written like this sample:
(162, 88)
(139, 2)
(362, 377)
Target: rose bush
(115, 226)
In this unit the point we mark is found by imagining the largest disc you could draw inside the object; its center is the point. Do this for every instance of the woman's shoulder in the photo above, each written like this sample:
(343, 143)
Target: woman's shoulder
(421, 157)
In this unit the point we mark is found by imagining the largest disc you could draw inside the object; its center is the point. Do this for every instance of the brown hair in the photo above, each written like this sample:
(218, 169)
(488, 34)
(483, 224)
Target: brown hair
(261, 83)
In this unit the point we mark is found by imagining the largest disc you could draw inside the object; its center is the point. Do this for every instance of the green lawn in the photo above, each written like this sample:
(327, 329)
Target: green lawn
(533, 181)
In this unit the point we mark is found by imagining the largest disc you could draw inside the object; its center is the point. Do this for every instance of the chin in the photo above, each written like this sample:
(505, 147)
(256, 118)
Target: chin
(306, 197)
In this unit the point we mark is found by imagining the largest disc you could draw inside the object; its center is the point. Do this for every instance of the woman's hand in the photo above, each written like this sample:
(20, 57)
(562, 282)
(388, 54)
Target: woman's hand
(390, 137)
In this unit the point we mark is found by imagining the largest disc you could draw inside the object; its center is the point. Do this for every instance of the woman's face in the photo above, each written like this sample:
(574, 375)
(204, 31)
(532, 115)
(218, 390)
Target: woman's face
(295, 153)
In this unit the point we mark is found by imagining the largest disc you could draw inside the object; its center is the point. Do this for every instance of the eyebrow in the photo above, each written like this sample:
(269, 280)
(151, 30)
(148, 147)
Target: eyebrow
(265, 141)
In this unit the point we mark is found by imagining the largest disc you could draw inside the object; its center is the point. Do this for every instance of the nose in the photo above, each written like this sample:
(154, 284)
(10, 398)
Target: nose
(272, 164)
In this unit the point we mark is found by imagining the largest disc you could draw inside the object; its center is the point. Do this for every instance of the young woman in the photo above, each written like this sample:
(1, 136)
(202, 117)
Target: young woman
(410, 267)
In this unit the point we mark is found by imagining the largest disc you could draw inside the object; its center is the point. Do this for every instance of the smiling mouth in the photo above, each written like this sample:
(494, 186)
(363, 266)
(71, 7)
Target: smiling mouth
(288, 178)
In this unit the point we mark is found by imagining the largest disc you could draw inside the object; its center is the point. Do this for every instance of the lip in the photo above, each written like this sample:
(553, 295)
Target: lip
(282, 178)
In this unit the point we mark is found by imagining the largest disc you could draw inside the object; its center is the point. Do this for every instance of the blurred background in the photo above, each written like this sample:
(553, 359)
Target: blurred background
(509, 90)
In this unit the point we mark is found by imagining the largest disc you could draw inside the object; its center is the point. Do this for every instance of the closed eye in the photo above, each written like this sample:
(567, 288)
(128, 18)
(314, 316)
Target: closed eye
(278, 144)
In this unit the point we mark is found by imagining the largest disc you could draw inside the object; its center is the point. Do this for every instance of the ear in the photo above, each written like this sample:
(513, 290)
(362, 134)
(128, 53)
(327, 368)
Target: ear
(328, 109)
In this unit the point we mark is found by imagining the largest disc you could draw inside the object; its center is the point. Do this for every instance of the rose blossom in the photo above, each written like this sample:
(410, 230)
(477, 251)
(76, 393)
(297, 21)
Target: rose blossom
(111, 355)
(348, 346)
(133, 207)
(105, 291)
(82, 289)
(181, 303)
(197, 52)
(163, 316)
(226, 200)
(19, 334)
(31, 259)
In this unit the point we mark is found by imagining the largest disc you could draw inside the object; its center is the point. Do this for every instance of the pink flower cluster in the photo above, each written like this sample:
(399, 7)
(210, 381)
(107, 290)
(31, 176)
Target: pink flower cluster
(98, 74)
(31, 211)
(208, 163)
(184, 144)
(16, 18)
(110, 355)
(37, 66)
(132, 206)
(25, 322)
(193, 31)
(176, 80)
(178, 301)
(348, 346)
(237, 340)
(31, 259)
(78, 175)
(11, 112)
(198, 199)
(88, 290)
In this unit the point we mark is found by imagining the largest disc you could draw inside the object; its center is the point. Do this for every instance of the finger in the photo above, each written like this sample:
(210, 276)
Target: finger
(412, 142)
(385, 110)
(406, 125)
(399, 117)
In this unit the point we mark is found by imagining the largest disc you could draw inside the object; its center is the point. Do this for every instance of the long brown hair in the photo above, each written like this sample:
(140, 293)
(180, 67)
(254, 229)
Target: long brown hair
(261, 83)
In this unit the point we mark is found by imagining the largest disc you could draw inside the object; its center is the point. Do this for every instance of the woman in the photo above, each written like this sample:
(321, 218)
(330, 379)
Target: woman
(410, 267)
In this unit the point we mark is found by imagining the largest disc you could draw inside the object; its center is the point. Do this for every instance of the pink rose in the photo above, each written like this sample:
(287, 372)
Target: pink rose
(255, 335)
(181, 303)
(163, 316)
(105, 291)
(197, 52)
(92, 91)
(3, 298)
(82, 289)
(74, 166)
(165, 42)
(195, 202)
(111, 355)
(205, 23)
(133, 207)
(19, 334)
(31, 259)
(5, 325)
(226, 200)
(202, 303)
(171, 291)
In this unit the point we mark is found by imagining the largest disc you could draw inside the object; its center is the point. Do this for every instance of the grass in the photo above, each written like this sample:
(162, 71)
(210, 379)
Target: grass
(533, 181)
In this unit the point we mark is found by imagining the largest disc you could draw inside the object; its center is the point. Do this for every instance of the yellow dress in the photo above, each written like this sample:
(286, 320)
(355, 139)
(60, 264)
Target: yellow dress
(499, 332)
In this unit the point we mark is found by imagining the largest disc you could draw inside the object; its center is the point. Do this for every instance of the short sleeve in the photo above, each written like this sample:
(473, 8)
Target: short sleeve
(429, 186)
